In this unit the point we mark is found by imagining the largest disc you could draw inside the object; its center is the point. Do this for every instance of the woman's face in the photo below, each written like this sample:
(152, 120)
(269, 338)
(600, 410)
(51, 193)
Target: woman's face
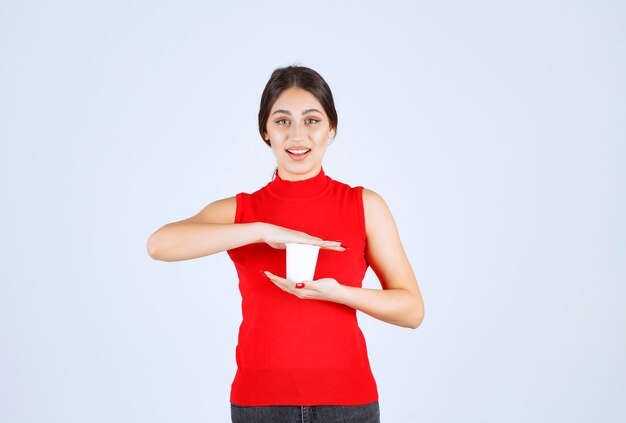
(298, 130)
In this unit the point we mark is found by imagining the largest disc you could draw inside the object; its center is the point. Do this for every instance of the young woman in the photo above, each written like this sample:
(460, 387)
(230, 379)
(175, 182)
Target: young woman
(301, 355)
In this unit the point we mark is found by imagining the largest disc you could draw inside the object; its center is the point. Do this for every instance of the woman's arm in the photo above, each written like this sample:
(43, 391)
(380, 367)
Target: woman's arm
(210, 231)
(213, 230)
(400, 301)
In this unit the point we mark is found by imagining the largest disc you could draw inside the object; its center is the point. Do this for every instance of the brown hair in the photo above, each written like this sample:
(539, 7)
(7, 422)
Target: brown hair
(300, 77)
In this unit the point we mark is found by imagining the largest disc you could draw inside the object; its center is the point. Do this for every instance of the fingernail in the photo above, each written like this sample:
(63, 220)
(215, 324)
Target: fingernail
(300, 285)
(262, 272)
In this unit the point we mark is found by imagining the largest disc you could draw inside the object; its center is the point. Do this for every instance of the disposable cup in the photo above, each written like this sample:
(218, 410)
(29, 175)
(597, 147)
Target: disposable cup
(301, 261)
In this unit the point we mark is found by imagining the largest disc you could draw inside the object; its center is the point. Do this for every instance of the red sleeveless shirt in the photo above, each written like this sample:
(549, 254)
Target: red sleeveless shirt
(294, 351)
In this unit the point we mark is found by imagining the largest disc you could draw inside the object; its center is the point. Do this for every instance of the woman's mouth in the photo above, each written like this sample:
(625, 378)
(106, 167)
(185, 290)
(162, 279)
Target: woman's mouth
(298, 153)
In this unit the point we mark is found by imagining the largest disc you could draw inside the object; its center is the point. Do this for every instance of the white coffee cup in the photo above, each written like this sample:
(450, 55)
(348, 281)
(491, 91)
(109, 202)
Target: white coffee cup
(301, 261)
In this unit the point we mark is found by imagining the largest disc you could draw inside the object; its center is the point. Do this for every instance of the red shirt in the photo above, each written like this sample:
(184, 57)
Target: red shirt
(294, 351)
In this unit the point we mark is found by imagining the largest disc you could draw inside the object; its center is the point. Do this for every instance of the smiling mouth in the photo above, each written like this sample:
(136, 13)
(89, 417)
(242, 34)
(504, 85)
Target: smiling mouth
(298, 153)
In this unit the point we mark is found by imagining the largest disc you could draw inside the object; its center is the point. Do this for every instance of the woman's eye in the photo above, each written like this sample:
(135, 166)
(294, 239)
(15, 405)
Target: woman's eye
(311, 121)
(282, 122)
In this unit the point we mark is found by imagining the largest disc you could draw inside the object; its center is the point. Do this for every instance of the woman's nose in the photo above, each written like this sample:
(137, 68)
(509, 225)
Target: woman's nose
(298, 132)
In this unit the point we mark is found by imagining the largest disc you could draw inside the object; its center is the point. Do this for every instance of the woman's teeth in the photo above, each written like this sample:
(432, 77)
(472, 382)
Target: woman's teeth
(298, 154)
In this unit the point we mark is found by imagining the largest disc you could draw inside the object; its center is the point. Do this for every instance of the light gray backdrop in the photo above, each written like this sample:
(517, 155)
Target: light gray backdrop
(494, 130)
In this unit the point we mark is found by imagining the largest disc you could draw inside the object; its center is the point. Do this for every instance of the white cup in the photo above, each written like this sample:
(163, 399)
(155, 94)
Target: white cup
(301, 261)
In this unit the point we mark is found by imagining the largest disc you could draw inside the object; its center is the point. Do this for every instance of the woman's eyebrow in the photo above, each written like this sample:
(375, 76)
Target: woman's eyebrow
(287, 112)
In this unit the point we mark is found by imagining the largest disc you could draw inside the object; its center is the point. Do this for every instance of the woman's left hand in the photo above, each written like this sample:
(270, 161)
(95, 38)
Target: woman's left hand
(322, 289)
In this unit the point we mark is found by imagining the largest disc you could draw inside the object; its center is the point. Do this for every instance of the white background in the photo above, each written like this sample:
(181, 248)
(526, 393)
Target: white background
(494, 130)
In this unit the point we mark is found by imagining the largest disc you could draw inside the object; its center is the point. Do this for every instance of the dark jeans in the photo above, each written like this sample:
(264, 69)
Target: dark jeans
(368, 413)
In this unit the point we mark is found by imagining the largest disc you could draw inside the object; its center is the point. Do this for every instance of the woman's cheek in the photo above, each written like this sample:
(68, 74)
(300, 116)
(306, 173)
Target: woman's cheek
(318, 134)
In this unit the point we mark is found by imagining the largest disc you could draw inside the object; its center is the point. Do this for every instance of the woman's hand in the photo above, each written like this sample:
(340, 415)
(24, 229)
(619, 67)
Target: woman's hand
(322, 289)
(276, 237)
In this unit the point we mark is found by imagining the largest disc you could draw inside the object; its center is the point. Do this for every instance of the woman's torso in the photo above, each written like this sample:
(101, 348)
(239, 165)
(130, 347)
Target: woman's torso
(293, 351)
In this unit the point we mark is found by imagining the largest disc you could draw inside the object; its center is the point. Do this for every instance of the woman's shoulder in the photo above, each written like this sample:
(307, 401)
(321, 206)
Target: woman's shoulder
(218, 211)
(375, 209)
(372, 200)
(369, 196)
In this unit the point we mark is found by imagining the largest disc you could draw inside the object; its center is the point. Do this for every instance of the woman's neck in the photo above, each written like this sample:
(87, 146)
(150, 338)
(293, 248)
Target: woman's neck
(290, 176)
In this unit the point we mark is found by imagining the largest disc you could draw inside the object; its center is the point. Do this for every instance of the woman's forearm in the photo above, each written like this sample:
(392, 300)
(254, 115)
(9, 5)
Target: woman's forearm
(189, 240)
(399, 307)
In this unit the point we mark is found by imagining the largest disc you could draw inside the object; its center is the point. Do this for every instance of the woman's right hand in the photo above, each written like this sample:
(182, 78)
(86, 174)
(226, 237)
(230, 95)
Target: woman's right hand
(277, 236)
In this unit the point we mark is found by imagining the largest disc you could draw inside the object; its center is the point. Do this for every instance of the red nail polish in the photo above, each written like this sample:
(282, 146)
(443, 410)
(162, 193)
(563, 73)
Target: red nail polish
(300, 285)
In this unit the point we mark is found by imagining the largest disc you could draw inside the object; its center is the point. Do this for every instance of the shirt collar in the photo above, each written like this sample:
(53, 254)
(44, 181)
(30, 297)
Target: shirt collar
(305, 188)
